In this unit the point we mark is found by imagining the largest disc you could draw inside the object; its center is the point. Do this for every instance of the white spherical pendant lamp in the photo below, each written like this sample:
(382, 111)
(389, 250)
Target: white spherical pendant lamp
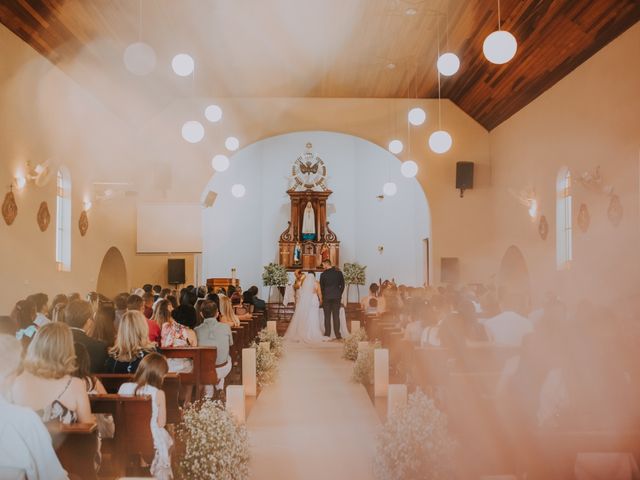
(232, 144)
(417, 116)
(389, 189)
(183, 64)
(448, 64)
(213, 113)
(220, 163)
(139, 59)
(238, 190)
(193, 131)
(440, 141)
(499, 47)
(409, 169)
(395, 146)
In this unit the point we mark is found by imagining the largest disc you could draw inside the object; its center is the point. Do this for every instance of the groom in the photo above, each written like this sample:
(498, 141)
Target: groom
(332, 286)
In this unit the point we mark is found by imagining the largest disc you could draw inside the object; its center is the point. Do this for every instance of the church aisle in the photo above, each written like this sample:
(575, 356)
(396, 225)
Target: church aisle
(314, 423)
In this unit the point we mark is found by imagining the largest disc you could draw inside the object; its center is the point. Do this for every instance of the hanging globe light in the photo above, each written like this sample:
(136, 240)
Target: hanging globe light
(448, 64)
(499, 47)
(238, 190)
(192, 131)
(417, 116)
(389, 189)
(409, 169)
(139, 58)
(183, 64)
(220, 163)
(440, 141)
(213, 113)
(232, 144)
(395, 146)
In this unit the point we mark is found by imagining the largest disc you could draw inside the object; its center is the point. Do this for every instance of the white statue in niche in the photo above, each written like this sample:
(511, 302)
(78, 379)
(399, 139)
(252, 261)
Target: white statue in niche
(309, 223)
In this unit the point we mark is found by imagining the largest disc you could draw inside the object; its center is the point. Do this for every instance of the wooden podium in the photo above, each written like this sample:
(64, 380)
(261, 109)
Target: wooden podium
(220, 282)
(325, 243)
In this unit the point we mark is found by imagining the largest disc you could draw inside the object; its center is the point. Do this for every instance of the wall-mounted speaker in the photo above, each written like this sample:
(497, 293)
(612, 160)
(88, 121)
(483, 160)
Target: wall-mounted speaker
(464, 176)
(449, 270)
(175, 271)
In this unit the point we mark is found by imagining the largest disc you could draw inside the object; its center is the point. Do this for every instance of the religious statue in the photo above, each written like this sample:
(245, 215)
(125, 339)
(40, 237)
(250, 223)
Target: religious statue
(297, 254)
(324, 252)
(309, 223)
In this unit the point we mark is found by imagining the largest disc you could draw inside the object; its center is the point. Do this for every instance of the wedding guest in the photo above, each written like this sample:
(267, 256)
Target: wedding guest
(373, 293)
(147, 310)
(78, 316)
(25, 443)
(46, 385)
(173, 300)
(177, 334)
(186, 312)
(121, 308)
(24, 314)
(41, 302)
(147, 288)
(164, 293)
(227, 315)
(241, 312)
(103, 326)
(92, 384)
(148, 380)
(251, 297)
(135, 303)
(162, 313)
(74, 296)
(461, 327)
(7, 326)
(94, 300)
(157, 290)
(508, 328)
(58, 304)
(215, 334)
(132, 344)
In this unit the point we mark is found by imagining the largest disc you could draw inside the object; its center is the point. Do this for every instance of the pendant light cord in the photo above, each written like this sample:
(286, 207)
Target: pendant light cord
(499, 22)
(438, 72)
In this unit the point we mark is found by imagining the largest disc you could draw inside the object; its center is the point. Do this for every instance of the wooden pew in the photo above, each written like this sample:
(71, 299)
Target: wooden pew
(76, 446)
(132, 437)
(171, 387)
(204, 362)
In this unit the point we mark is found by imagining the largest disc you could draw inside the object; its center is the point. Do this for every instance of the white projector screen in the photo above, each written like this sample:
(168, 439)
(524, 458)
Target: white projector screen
(169, 228)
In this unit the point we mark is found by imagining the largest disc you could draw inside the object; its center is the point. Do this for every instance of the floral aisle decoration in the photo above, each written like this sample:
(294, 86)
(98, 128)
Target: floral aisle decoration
(354, 274)
(415, 444)
(274, 275)
(350, 346)
(266, 366)
(214, 444)
(363, 368)
(275, 341)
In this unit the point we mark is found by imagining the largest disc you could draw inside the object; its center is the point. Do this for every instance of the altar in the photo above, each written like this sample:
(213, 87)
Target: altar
(308, 241)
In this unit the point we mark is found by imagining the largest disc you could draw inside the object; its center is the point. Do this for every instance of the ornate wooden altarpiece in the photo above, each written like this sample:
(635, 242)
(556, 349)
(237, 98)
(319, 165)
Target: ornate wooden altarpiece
(308, 177)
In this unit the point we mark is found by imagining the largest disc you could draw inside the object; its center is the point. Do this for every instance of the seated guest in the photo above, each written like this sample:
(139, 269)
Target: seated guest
(103, 326)
(157, 289)
(74, 296)
(508, 328)
(147, 310)
(251, 297)
(41, 302)
(25, 444)
(148, 381)
(147, 288)
(135, 303)
(78, 316)
(121, 307)
(241, 312)
(227, 315)
(215, 299)
(83, 371)
(215, 334)
(56, 310)
(175, 333)
(186, 310)
(7, 326)
(372, 306)
(162, 313)
(132, 344)
(173, 300)
(461, 327)
(164, 293)
(47, 385)
(24, 314)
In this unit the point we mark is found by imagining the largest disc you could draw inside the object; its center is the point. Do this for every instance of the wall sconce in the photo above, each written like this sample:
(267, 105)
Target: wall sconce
(380, 249)
(87, 205)
(20, 182)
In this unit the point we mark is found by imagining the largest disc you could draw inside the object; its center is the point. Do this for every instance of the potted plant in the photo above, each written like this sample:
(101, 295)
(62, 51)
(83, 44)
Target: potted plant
(274, 275)
(354, 274)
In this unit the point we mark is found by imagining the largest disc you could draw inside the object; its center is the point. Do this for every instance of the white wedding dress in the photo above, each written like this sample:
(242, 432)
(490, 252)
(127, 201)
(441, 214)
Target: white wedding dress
(305, 324)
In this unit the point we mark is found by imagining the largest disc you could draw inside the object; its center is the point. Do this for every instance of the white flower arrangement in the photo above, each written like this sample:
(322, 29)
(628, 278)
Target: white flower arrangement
(274, 275)
(363, 368)
(214, 444)
(275, 341)
(350, 346)
(266, 366)
(354, 274)
(415, 444)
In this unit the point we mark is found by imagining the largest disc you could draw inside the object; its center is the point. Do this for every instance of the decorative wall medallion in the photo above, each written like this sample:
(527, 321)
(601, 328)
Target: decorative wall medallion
(44, 217)
(614, 212)
(9, 208)
(543, 227)
(584, 219)
(83, 223)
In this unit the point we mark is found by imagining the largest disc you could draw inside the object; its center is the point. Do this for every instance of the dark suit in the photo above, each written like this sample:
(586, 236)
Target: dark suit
(332, 286)
(97, 350)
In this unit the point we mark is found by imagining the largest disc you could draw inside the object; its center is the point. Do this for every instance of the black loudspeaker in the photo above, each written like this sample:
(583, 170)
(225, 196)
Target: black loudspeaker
(449, 270)
(464, 176)
(175, 270)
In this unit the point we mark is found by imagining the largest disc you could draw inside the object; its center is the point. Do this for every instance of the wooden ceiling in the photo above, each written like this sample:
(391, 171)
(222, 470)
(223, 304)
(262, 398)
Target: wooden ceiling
(333, 48)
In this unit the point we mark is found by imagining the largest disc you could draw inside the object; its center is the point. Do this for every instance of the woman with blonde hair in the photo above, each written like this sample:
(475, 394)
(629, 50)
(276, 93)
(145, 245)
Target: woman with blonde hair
(132, 344)
(47, 384)
(227, 315)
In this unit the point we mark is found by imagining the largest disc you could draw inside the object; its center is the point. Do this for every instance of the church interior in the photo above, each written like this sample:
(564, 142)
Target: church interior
(185, 186)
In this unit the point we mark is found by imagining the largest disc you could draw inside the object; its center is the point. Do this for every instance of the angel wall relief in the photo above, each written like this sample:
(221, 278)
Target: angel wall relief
(9, 208)
(43, 217)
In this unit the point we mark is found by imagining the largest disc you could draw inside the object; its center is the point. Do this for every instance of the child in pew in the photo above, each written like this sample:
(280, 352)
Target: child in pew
(148, 381)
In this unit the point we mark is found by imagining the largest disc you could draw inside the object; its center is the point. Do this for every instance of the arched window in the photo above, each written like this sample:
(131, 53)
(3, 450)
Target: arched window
(564, 234)
(63, 220)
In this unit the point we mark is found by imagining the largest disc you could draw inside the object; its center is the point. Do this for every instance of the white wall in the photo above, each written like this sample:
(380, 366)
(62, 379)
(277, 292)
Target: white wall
(243, 233)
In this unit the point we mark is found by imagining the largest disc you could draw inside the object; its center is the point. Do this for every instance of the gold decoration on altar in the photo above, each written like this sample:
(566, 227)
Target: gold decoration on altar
(83, 223)
(43, 217)
(9, 208)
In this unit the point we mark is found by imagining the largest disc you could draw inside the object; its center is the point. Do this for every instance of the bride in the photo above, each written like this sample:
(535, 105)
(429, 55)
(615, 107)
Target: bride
(305, 324)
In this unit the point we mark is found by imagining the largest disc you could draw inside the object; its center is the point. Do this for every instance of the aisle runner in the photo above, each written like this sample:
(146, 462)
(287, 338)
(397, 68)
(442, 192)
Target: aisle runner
(313, 423)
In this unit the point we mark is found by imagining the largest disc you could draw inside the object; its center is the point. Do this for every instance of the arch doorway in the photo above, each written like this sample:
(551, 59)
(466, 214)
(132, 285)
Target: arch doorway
(112, 278)
(514, 287)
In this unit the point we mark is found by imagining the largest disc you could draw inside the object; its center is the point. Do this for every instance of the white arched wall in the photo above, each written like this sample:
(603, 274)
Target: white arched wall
(243, 233)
